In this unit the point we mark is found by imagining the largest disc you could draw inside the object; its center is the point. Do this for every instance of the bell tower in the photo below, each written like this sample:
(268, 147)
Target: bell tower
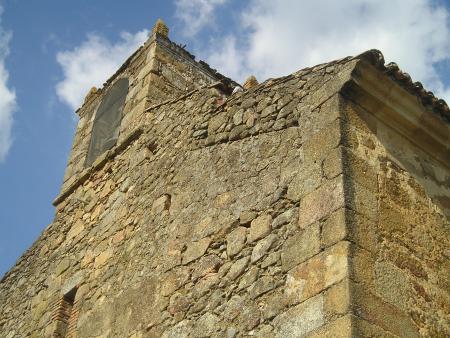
(158, 71)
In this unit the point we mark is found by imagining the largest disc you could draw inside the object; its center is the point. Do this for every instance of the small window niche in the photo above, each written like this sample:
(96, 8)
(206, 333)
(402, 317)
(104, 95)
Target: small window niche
(66, 315)
(105, 129)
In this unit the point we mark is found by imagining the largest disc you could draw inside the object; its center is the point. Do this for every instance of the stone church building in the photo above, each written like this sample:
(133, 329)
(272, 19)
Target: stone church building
(311, 205)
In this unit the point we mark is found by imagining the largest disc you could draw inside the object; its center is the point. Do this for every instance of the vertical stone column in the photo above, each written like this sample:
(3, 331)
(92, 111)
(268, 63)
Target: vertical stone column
(316, 259)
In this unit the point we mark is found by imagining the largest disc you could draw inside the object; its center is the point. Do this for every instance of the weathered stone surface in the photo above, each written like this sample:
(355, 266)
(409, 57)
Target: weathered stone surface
(206, 265)
(301, 319)
(301, 246)
(178, 303)
(196, 250)
(267, 111)
(206, 227)
(247, 216)
(334, 228)
(373, 309)
(283, 218)
(271, 259)
(392, 284)
(169, 233)
(304, 182)
(249, 277)
(233, 307)
(76, 229)
(231, 332)
(321, 202)
(180, 330)
(333, 164)
(237, 117)
(205, 285)
(206, 325)
(340, 328)
(261, 286)
(337, 300)
(161, 204)
(103, 258)
(236, 241)
(318, 147)
(271, 304)
(62, 266)
(216, 121)
(249, 316)
(238, 268)
(318, 273)
(259, 228)
(174, 279)
(262, 247)
(236, 132)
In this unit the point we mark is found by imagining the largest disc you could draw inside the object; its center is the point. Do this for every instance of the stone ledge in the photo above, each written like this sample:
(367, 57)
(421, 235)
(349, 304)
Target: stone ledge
(98, 164)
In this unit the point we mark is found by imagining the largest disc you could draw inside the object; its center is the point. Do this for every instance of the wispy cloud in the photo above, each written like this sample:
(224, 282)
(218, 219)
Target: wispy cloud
(196, 14)
(277, 37)
(91, 63)
(7, 96)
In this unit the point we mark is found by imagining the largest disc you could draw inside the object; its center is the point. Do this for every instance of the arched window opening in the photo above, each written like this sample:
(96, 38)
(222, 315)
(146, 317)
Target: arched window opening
(105, 130)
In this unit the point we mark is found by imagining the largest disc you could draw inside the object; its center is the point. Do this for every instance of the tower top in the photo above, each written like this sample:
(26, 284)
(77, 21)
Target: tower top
(161, 28)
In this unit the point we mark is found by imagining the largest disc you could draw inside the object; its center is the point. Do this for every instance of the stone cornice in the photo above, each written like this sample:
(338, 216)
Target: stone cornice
(399, 109)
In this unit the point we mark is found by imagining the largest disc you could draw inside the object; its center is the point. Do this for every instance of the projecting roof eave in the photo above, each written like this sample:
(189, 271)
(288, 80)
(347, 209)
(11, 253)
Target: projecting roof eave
(391, 96)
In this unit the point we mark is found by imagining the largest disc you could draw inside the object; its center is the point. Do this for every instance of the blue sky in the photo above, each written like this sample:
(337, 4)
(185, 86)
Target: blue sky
(52, 52)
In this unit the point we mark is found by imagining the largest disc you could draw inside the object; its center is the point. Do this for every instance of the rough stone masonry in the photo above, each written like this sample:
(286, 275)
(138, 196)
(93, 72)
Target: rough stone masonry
(311, 205)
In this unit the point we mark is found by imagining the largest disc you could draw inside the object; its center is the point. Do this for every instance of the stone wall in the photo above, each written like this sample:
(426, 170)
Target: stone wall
(138, 74)
(400, 260)
(201, 222)
(285, 210)
(158, 71)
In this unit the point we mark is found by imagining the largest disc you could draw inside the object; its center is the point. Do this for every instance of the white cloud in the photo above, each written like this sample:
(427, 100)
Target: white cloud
(92, 63)
(277, 37)
(228, 58)
(7, 96)
(196, 14)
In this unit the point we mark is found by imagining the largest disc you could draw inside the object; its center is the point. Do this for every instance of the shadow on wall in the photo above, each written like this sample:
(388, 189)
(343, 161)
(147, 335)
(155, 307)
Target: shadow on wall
(405, 172)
